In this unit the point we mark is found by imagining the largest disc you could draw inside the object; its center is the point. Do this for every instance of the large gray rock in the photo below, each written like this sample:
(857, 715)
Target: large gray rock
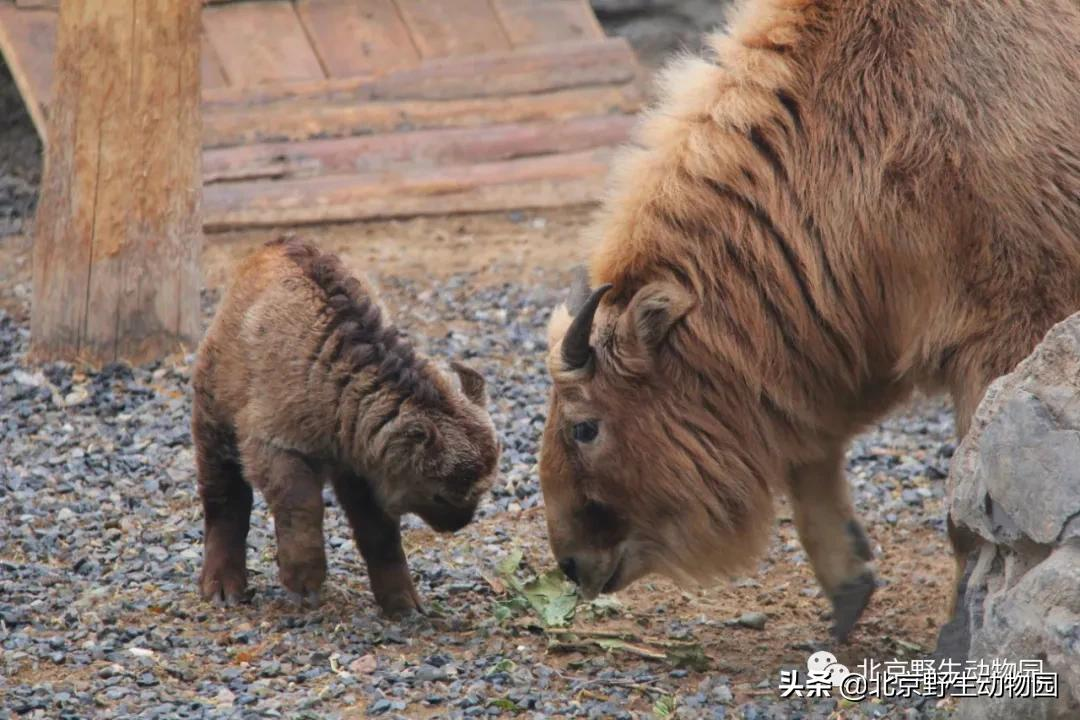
(1015, 482)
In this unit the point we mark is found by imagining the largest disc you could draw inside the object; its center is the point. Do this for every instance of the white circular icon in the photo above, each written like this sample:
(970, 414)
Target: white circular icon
(823, 667)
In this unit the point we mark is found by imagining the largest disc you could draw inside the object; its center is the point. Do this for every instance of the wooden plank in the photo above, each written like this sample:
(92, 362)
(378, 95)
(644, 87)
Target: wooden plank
(298, 121)
(533, 194)
(116, 272)
(357, 37)
(49, 4)
(260, 42)
(462, 27)
(533, 22)
(424, 148)
(552, 180)
(28, 41)
(529, 70)
(213, 76)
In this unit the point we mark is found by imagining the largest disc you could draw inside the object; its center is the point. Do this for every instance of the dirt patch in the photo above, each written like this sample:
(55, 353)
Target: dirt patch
(492, 248)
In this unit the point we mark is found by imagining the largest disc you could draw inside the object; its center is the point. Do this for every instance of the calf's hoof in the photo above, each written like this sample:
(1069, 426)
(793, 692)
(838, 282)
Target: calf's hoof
(394, 592)
(223, 584)
(400, 607)
(303, 578)
(312, 599)
(848, 602)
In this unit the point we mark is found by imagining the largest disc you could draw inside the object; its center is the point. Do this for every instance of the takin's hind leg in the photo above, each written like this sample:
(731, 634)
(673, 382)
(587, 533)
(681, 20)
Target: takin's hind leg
(292, 485)
(954, 637)
(833, 538)
(378, 536)
(226, 500)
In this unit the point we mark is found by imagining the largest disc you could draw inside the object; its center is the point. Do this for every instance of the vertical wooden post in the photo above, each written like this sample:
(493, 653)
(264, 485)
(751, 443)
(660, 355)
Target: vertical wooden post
(118, 230)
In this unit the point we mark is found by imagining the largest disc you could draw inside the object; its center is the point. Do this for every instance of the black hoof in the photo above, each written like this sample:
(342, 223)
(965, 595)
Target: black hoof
(849, 602)
(954, 640)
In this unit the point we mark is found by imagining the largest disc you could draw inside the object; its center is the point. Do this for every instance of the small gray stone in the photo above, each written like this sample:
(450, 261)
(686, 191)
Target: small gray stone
(427, 673)
(379, 707)
(754, 620)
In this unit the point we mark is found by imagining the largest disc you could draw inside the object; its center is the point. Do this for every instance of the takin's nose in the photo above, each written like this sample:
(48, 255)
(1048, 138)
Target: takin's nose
(445, 516)
(594, 574)
(569, 568)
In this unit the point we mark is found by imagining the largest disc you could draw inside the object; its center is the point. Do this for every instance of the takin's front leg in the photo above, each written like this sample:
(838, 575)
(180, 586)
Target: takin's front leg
(226, 500)
(833, 538)
(293, 490)
(954, 637)
(378, 537)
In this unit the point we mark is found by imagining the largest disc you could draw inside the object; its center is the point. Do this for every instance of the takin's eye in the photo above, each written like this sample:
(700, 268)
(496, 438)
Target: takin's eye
(601, 519)
(585, 432)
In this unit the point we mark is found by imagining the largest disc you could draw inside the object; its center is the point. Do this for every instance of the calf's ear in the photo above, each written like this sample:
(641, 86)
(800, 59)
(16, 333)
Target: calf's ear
(421, 431)
(472, 383)
(653, 312)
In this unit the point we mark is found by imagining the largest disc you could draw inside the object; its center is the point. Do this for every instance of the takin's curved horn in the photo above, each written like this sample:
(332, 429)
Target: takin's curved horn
(575, 345)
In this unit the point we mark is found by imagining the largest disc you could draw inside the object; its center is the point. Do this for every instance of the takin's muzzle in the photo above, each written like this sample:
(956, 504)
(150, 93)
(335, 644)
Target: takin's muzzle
(595, 572)
(445, 516)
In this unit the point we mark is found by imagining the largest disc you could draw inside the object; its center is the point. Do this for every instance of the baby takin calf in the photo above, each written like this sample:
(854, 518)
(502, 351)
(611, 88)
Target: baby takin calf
(301, 380)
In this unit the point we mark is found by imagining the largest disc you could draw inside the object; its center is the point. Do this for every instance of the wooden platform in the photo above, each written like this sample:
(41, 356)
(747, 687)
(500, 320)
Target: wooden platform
(332, 110)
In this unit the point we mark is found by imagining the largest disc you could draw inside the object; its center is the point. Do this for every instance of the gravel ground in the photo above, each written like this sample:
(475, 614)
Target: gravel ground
(100, 541)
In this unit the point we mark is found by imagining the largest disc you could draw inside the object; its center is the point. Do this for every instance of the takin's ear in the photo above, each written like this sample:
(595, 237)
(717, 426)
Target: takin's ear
(651, 314)
(422, 432)
(472, 383)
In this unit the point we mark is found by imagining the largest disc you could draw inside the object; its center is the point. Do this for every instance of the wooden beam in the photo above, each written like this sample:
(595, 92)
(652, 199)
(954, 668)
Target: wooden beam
(116, 271)
(529, 70)
(548, 181)
(419, 149)
(299, 121)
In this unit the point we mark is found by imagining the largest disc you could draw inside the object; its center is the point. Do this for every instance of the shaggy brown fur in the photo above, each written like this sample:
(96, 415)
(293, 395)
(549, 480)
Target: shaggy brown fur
(300, 380)
(847, 200)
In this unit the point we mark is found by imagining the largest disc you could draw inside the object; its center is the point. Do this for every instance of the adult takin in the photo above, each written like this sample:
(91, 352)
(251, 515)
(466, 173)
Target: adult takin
(841, 202)
(302, 380)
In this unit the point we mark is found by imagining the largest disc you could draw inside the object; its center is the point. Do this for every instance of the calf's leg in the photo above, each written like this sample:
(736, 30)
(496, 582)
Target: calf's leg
(226, 500)
(292, 485)
(378, 537)
(833, 538)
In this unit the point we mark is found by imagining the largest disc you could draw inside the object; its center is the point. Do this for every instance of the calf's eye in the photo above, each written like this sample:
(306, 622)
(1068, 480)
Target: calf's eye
(586, 432)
